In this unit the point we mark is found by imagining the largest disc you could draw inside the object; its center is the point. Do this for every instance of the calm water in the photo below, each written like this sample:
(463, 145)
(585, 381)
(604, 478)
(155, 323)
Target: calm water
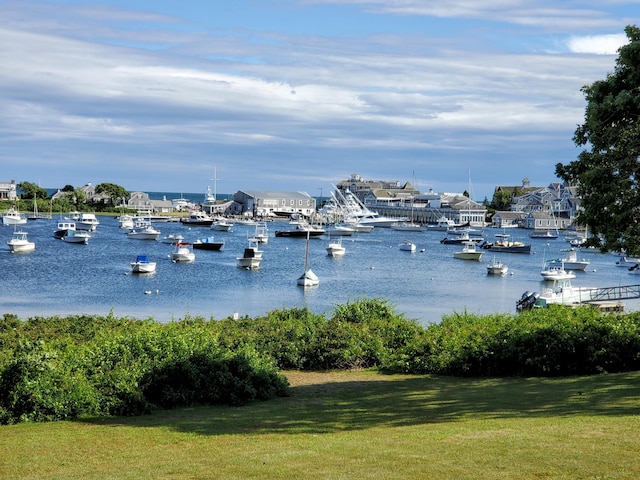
(61, 278)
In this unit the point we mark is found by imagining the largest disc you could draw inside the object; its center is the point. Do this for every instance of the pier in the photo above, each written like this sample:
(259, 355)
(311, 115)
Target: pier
(609, 294)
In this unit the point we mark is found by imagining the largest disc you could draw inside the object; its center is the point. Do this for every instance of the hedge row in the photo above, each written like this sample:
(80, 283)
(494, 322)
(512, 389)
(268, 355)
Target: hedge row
(63, 367)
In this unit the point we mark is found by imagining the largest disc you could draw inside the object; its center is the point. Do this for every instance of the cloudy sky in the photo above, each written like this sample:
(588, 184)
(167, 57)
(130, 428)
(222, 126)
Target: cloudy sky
(155, 95)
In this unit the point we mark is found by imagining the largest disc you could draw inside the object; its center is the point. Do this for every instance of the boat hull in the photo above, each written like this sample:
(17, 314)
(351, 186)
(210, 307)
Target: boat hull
(299, 233)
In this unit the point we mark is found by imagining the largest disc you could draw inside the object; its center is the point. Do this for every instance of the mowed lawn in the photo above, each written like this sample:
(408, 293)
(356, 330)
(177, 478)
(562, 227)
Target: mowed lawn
(351, 425)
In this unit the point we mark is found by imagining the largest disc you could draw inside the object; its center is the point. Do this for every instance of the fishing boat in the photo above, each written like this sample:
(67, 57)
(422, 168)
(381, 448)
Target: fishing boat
(87, 222)
(251, 257)
(407, 246)
(197, 218)
(208, 243)
(183, 253)
(554, 271)
(13, 217)
(221, 224)
(19, 243)
(571, 261)
(503, 244)
(261, 235)
(143, 265)
(308, 278)
(469, 252)
(335, 248)
(76, 236)
(496, 267)
(143, 230)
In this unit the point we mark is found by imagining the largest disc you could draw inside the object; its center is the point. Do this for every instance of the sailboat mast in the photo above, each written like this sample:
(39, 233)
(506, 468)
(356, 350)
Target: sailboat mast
(306, 254)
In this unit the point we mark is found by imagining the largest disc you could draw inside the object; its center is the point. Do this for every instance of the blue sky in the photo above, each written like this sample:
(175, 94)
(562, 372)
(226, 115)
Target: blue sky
(154, 95)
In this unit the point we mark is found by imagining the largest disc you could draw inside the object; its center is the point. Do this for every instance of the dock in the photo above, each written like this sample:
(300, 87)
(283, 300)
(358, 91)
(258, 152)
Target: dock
(612, 294)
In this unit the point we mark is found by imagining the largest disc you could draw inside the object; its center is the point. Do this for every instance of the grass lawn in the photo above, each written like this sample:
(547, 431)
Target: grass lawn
(352, 425)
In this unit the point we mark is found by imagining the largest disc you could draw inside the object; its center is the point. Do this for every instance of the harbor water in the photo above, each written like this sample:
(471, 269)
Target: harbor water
(59, 278)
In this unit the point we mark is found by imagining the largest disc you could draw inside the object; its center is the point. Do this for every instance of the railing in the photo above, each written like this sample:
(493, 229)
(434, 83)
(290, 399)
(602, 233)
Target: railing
(615, 293)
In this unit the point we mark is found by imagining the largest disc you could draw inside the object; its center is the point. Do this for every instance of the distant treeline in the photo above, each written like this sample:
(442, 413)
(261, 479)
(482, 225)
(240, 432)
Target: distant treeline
(65, 367)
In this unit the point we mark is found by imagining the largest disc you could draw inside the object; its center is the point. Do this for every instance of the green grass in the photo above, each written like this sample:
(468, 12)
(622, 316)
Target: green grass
(358, 425)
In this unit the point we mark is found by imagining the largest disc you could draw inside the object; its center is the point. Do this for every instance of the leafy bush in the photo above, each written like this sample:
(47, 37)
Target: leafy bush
(545, 342)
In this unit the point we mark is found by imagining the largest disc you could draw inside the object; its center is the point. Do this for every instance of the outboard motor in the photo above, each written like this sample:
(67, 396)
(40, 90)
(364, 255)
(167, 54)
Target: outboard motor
(527, 300)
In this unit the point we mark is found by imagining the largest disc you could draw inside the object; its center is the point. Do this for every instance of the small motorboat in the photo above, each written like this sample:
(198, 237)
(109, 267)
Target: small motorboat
(143, 265)
(208, 243)
(469, 252)
(496, 267)
(197, 218)
(221, 224)
(554, 271)
(88, 222)
(183, 253)
(19, 243)
(335, 248)
(251, 257)
(77, 236)
(143, 230)
(13, 217)
(407, 246)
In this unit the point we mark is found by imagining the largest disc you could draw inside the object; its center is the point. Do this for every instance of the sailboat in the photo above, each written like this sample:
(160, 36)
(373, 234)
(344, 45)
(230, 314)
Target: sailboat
(308, 278)
(35, 215)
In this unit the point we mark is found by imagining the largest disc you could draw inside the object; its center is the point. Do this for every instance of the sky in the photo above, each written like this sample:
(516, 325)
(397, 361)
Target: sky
(296, 95)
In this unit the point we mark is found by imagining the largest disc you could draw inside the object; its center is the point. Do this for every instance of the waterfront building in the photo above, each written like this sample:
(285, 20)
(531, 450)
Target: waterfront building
(8, 191)
(267, 203)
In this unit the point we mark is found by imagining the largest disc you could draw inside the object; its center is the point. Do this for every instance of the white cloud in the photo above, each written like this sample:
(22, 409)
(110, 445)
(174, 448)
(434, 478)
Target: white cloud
(598, 44)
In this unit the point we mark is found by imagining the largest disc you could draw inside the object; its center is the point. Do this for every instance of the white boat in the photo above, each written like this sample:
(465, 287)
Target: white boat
(342, 230)
(553, 271)
(197, 218)
(87, 222)
(469, 252)
(143, 230)
(261, 235)
(19, 243)
(221, 224)
(407, 246)
(143, 265)
(444, 224)
(126, 221)
(571, 261)
(13, 217)
(308, 278)
(358, 227)
(183, 253)
(335, 248)
(562, 292)
(407, 227)
(251, 256)
(77, 236)
(548, 235)
(496, 267)
(172, 239)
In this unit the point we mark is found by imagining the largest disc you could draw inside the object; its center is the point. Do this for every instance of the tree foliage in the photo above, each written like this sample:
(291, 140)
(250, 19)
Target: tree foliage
(31, 190)
(117, 193)
(607, 174)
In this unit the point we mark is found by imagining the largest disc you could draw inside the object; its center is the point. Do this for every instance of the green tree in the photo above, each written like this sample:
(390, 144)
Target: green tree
(607, 174)
(117, 193)
(30, 190)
